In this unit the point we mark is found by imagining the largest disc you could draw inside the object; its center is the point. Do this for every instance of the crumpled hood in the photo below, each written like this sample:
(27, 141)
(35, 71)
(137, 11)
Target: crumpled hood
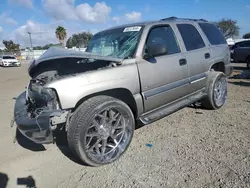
(60, 52)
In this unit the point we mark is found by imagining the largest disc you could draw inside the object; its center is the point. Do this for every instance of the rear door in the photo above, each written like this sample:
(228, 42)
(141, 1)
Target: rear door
(197, 54)
(163, 78)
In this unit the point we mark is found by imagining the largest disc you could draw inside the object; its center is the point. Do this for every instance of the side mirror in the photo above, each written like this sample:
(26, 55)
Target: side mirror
(154, 50)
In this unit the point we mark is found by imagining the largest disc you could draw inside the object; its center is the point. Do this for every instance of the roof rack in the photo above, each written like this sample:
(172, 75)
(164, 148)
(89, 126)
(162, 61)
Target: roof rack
(182, 19)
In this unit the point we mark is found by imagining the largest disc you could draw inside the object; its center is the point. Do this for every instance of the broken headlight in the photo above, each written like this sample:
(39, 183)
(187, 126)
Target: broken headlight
(50, 98)
(41, 96)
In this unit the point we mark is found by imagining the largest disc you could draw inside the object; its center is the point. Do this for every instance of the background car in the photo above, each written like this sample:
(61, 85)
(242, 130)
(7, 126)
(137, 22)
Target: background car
(240, 52)
(9, 61)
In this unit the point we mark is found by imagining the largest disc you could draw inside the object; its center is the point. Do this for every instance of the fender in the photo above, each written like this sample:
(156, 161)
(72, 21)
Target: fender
(72, 89)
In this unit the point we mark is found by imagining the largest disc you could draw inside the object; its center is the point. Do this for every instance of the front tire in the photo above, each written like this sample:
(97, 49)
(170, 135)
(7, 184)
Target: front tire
(101, 130)
(216, 91)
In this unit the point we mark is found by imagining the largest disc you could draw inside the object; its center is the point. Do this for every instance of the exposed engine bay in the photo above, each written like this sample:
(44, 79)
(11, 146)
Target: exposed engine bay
(59, 68)
(58, 62)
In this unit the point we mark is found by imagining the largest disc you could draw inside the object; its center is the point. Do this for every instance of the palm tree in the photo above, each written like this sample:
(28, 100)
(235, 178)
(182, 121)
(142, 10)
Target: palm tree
(61, 34)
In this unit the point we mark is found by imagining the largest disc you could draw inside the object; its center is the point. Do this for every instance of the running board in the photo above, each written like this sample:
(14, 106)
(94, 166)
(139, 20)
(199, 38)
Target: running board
(168, 109)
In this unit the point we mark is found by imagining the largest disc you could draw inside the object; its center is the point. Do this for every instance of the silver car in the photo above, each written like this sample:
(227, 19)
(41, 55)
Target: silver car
(132, 73)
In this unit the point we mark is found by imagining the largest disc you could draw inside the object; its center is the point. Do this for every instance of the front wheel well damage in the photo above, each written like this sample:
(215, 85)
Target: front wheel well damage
(219, 66)
(120, 93)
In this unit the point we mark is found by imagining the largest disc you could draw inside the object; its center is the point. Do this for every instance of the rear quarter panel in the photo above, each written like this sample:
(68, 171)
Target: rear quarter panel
(220, 53)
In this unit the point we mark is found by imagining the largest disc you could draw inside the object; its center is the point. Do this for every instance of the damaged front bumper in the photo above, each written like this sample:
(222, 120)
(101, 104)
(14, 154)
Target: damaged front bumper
(38, 129)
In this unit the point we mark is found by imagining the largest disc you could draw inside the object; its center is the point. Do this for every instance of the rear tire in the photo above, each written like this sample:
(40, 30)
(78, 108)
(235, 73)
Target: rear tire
(101, 130)
(248, 62)
(216, 91)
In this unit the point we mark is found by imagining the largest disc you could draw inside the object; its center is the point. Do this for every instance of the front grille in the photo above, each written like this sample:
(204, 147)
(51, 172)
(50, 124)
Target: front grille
(12, 62)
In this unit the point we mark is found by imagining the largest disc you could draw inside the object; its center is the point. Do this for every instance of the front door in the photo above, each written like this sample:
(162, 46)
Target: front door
(163, 78)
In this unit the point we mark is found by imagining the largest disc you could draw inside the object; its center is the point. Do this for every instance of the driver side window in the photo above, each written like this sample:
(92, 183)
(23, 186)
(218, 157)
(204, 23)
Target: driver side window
(163, 35)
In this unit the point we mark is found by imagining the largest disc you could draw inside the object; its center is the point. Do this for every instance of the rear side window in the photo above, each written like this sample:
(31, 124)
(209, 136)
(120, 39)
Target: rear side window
(213, 34)
(191, 37)
(247, 43)
(238, 44)
(8, 57)
(242, 44)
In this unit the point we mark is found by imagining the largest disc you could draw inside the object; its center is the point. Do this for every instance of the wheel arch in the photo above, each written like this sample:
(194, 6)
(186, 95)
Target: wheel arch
(120, 93)
(218, 66)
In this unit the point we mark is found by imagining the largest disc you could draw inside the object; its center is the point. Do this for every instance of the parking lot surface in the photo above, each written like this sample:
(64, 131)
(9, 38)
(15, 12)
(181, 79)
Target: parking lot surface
(190, 148)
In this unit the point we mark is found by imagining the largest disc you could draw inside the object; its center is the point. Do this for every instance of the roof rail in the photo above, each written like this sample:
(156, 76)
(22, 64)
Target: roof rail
(181, 19)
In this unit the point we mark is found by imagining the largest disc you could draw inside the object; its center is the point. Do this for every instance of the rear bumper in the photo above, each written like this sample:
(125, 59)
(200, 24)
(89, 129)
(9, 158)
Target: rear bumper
(37, 129)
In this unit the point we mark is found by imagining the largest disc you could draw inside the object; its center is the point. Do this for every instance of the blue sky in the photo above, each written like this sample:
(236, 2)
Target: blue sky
(41, 17)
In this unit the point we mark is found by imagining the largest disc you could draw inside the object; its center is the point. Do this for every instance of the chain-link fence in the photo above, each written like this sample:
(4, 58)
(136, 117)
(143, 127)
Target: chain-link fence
(24, 54)
(31, 54)
(17, 54)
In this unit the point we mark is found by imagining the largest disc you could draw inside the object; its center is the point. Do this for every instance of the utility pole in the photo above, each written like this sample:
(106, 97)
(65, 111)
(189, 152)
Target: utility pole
(30, 40)
(41, 33)
(31, 43)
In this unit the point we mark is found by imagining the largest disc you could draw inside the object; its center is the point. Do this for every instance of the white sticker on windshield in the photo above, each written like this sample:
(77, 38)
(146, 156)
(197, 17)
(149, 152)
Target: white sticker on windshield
(129, 29)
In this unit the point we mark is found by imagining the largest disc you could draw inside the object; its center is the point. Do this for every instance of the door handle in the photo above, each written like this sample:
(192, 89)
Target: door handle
(207, 55)
(182, 62)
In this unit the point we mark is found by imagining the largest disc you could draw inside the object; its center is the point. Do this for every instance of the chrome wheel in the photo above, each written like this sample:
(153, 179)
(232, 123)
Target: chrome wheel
(108, 135)
(220, 91)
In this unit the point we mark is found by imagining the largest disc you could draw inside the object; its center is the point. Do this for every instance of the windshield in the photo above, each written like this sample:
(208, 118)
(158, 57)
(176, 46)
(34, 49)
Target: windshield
(120, 42)
(8, 57)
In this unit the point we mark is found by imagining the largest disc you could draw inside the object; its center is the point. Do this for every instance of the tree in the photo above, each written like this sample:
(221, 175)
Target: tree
(10, 46)
(61, 34)
(69, 43)
(228, 27)
(79, 40)
(246, 36)
(37, 48)
(45, 47)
